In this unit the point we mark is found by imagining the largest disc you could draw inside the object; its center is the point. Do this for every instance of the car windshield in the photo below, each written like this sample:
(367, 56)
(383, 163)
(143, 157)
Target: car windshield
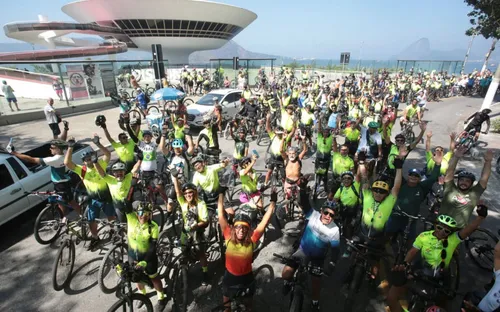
(208, 99)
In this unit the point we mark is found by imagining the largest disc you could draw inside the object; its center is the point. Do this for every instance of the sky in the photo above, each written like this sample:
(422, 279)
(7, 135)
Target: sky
(324, 28)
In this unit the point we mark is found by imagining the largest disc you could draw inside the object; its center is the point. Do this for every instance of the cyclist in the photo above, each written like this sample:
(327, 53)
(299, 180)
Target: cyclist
(209, 134)
(240, 143)
(124, 148)
(348, 196)
(142, 101)
(401, 142)
(478, 119)
(119, 185)
(251, 111)
(240, 243)
(247, 93)
(58, 172)
(436, 248)
(411, 112)
(324, 144)
(278, 140)
(248, 178)
(96, 186)
(460, 199)
(370, 144)
(195, 219)
(207, 178)
(288, 119)
(320, 235)
(293, 167)
(446, 158)
(142, 235)
(352, 136)
(217, 115)
(341, 162)
(307, 120)
(413, 192)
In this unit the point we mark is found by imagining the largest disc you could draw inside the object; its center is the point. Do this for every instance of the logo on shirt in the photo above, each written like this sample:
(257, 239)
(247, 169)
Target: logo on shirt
(462, 199)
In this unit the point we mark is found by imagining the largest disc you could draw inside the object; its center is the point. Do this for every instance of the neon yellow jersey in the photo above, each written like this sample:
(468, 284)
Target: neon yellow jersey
(209, 179)
(352, 134)
(286, 121)
(96, 186)
(140, 235)
(247, 95)
(375, 215)
(307, 118)
(444, 163)
(275, 144)
(431, 248)
(119, 189)
(193, 214)
(324, 145)
(347, 196)
(208, 133)
(125, 152)
(179, 132)
(341, 163)
(412, 111)
(248, 181)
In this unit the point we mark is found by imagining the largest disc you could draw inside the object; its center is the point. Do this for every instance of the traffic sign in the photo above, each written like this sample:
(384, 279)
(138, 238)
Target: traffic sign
(344, 57)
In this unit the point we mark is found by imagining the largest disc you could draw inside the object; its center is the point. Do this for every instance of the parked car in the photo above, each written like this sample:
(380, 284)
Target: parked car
(20, 179)
(229, 99)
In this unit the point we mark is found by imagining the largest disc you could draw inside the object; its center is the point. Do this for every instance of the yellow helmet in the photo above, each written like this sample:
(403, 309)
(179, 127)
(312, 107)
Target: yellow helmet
(380, 185)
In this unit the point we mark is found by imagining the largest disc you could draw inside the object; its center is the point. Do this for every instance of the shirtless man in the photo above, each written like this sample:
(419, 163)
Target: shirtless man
(293, 166)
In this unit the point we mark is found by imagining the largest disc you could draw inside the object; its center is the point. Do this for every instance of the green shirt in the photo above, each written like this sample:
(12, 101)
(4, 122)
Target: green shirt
(208, 133)
(193, 215)
(352, 134)
(431, 248)
(209, 179)
(341, 163)
(412, 111)
(179, 132)
(119, 189)
(459, 205)
(96, 186)
(375, 215)
(347, 196)
(248, 181)
(324, 145)
(140, 235)
(286, 121)
(125, 152)
(444, 163)
(239, 147)
(307, 118)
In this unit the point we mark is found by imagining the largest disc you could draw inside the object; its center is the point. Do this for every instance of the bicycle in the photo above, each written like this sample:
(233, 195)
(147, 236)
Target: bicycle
(299, 281)
(237, 299)
(424, 292)
(136, 112)
(481, 248)
(147, 90)
(466, 139)
(289, 210)
(129, 274)
(320, 175)
(407, 130)
(149, 194)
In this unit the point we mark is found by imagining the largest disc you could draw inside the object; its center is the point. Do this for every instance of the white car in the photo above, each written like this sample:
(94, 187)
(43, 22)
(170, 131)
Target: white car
(229, 99)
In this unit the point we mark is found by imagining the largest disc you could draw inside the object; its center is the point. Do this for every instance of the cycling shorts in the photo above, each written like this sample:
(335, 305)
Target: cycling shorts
(471, 126)
(229, 281)
(301, 258)
(151, 267)
(273, 160)
(64, 187)
(95, 207)
(143, 105)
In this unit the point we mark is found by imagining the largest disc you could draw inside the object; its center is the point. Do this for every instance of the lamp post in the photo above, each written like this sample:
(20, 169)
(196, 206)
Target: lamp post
(467, 54)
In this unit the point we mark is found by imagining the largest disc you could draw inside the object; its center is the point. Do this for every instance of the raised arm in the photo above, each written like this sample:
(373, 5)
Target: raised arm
(106, 133)
(131, 132)
(304, 150)
(386, 137)
(101, 171)
(250, 165)
(220, 213)
(428, 142)
(164, 133)
(105, 152)
(270, 210)
(68, 158)
(482, 212)
(27, 158)
(453, 136)
(268, 123)
(485, 174)
(398, 164)
(452, 165)
(423, 126)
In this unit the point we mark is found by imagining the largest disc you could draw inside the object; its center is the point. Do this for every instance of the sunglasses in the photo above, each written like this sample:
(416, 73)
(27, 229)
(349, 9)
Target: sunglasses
(379, 191)
(446, 230)
(326, 213)
(241, 227)
(439, 150)
(347, 178)
(141, 213)
(344, 150)
(189, 193)
(400, 140)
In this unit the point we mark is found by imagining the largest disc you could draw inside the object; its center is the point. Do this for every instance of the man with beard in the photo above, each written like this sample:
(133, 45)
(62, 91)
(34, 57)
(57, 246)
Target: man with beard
(460, 199)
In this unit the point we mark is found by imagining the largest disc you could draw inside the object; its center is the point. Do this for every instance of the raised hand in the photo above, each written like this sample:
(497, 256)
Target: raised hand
(453, 136)
(460, 151)
(403, 152)
(71, 142)
(95, 139)
(429, 134)
(423, 126)
(488, 156)
(438, 157)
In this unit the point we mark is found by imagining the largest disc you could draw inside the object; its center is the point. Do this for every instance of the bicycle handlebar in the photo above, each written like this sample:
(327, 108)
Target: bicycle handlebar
(309, 268)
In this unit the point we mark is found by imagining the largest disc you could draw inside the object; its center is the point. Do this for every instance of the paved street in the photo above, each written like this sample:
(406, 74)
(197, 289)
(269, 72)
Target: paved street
(26, 265)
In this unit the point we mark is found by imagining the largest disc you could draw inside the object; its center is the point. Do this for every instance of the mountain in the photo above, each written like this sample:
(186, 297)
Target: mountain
(228, 51)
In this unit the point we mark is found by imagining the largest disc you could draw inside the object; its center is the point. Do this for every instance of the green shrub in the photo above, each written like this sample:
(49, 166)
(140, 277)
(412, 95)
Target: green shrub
(495, 125)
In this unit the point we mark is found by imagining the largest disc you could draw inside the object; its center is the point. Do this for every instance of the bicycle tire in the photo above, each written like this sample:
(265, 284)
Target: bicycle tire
(127, 303)
(317, 181)
(188, 101)
(256, 87)
(481, 253)
(353, 288)
(133, 94)
(113, 256)
(150, 91)
(296, 301)
(52, 212)
(153, 109)
(60, 262)
(497, 168)
(135, 114)
(227, 131)
(159, 215)
(180, 289)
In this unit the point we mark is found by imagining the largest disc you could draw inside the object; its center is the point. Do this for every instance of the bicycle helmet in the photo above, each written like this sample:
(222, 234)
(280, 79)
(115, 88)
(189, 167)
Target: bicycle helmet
(242, 130)
(189, 186)
(118, 166)
(373, 125)
(486, 111)
(400, 136)
(447, 220)
(415, 171)
(380, 185)
(349, 173)
(177, 143)
(467, 174)
(242, 219)
(147, 132)
(99, 120)
(196, 160)
(141, 207)
(59, 143)
(86, 155)
(244, 161)
(329, 205)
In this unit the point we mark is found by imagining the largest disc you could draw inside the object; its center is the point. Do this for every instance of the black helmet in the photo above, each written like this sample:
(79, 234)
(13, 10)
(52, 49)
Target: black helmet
(196, 160)
(242, 130)
(400, 136)
(99, 120)
(59, 143)
(189, 186)
(486, 111)
(467, 174)
(147, 132)
(242, 217)
(244, 161)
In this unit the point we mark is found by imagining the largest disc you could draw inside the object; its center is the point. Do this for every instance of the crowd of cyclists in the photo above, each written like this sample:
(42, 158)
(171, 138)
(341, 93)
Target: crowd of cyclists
(347, 125)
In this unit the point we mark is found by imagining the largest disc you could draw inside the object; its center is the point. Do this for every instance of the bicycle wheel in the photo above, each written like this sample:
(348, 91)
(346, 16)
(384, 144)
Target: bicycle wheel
(106, 277)
(296, 301)
(63, 265)
(498, 166)
(188, 101)
(150, 91)
(133, 94)
(357, 277)
(480, 247)
(48, 224)
(127, 303)
(159, 217)
(227, 131)
(180, 288)
(256, 87)
(317, 183)
(134, 114)
(214, 85)
(410, 136)
(153, 109)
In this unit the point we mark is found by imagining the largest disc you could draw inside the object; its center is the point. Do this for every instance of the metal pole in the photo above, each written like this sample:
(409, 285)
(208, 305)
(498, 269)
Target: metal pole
(62, 82)
(492, 48)
(488, 99)
(467, 54)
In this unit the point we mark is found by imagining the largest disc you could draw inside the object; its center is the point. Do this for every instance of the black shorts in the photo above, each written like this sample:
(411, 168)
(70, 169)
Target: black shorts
(151, 267)
(64, 187)
(229, 281)
(301, 258)
(470, 127)
(273, 160)
(190, 83)
(55, 128)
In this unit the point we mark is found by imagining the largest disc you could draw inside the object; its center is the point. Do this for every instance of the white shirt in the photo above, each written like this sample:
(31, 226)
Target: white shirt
(50, 114)
(182, 166)
(375, 139)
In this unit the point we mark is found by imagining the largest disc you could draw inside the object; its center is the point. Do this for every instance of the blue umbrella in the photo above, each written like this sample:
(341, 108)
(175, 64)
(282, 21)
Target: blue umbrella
(167, 94)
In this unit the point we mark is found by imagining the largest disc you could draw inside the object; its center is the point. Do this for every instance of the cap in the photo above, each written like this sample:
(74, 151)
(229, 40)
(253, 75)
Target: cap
(415, 171)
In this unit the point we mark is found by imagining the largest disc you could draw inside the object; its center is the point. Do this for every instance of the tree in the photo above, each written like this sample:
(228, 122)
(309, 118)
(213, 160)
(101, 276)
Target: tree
(41, 69)
(293, 65)
(485, 18)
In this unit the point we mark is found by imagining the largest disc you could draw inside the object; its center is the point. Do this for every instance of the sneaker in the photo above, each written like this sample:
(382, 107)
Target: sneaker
(315, 306)
(94, 242)
(287, 287)
(206, 279)
(160, 305)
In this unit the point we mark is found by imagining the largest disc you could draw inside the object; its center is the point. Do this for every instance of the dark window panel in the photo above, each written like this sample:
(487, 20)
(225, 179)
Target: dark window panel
(192, 25)
(169, 24)
(128, 24)
(206, 26)
(213, 26)
(177, 25)
(143, 23)
(160, 24)
(184, 24)
(151, 23)
(220, 27)
(135, 24)
(199, 25)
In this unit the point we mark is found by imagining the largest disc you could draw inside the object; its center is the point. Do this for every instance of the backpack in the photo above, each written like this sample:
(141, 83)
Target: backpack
(147, 98)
